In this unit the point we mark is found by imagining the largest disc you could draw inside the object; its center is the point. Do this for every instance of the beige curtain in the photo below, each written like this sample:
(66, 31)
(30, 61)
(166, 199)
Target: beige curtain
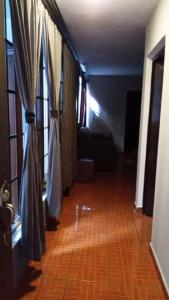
(27, 19)
(69, 119)
(53, 41)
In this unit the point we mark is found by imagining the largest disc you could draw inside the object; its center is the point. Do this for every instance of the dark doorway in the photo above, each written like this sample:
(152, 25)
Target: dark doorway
(132, 121)
(153, 134)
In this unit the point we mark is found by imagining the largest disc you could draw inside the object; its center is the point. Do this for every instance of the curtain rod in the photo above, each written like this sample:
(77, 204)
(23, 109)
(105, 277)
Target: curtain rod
(57, 18)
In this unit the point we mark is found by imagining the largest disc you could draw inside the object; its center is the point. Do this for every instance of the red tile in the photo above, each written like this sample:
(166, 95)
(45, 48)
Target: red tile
(101, 248)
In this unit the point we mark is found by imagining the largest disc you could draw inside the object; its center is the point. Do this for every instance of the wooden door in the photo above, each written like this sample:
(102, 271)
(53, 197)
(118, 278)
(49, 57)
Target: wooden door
(6, 268)
(153, 134)
(12, 260)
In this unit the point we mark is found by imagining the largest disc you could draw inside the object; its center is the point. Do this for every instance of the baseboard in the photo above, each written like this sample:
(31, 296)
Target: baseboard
(159, 268)
(138, 208)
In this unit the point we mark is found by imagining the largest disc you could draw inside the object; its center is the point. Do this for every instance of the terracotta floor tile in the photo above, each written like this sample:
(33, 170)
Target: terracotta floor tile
(81, 290)
(143, 226)
(42, 297)
(120, 284)
(58, 253)
(89, 272)
(101, 248)
(46, 289)
(60, 271)
(116, 297)
(63, 237)
(56, 263)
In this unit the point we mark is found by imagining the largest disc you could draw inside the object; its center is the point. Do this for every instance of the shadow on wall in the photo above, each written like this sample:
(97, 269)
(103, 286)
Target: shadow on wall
(106, 105)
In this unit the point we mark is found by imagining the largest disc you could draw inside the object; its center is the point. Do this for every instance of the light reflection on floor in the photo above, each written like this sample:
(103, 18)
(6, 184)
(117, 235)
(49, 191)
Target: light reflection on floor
(101, 249)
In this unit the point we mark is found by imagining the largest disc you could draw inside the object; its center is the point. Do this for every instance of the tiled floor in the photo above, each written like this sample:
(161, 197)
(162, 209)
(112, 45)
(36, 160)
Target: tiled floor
(101, 250)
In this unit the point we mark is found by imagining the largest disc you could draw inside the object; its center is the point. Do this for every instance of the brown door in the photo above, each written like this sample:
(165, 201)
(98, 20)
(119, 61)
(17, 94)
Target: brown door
(133, 106)
(153, 134)
(6, 249)
(5, 226)
(6, 269)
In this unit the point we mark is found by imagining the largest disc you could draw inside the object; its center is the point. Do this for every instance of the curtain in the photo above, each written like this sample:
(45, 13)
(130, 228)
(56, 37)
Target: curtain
(83, 105)
(54, 52)
(69, 119)
(27, 19)
(52, 7)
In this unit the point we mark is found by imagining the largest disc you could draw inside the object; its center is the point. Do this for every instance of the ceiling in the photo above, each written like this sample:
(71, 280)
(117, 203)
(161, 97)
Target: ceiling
(108, 35)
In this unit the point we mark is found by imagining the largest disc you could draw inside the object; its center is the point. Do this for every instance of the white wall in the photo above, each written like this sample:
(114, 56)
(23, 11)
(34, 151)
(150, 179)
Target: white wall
(157, 32)
(107, 104)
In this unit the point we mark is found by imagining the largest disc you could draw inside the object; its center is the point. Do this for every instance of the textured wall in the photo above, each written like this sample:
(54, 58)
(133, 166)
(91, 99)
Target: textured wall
(157, 34)
(107, 104)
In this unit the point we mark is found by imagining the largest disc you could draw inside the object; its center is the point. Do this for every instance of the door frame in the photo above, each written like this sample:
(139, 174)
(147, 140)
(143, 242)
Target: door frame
(156, 57)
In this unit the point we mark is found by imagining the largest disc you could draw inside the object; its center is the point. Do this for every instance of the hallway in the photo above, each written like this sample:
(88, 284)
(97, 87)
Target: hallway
(101, 248)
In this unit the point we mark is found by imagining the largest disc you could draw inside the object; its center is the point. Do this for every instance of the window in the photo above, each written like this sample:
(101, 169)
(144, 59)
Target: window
(15, 114)
(42, 117)
(82, 102)
(61, 100)
(79, 98)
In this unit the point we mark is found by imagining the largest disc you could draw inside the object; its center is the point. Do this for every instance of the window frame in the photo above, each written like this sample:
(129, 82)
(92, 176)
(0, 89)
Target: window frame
(17, 121)
(41, 127)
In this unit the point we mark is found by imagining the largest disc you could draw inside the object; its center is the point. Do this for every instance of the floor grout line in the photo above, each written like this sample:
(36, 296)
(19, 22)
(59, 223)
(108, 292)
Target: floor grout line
(135, 226)
(107, 224)
(105, 257)
(71, 261)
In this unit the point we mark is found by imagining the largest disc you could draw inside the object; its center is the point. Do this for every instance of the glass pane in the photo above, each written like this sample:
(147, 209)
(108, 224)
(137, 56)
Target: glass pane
(12, 113)
(11, 69)
(38, 88)
(39, 113)
(62, 75)
(61, 98)
(8, 22)
(43, 51)
(14, 194)
(45, 141)
(46, 112)
(23, 127)
(79, 98)
(40, 143)
(45, 86)
(45, 166)
(13, 150)
(23, 119)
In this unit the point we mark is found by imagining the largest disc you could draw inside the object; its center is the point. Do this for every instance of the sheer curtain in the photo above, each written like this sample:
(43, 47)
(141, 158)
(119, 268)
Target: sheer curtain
(69, 119)
(27, 19)
(54, 52)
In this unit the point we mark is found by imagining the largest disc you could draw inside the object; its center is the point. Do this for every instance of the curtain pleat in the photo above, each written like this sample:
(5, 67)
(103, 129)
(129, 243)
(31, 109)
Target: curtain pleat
(27, 19)
(69, 119)
(53, 51)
